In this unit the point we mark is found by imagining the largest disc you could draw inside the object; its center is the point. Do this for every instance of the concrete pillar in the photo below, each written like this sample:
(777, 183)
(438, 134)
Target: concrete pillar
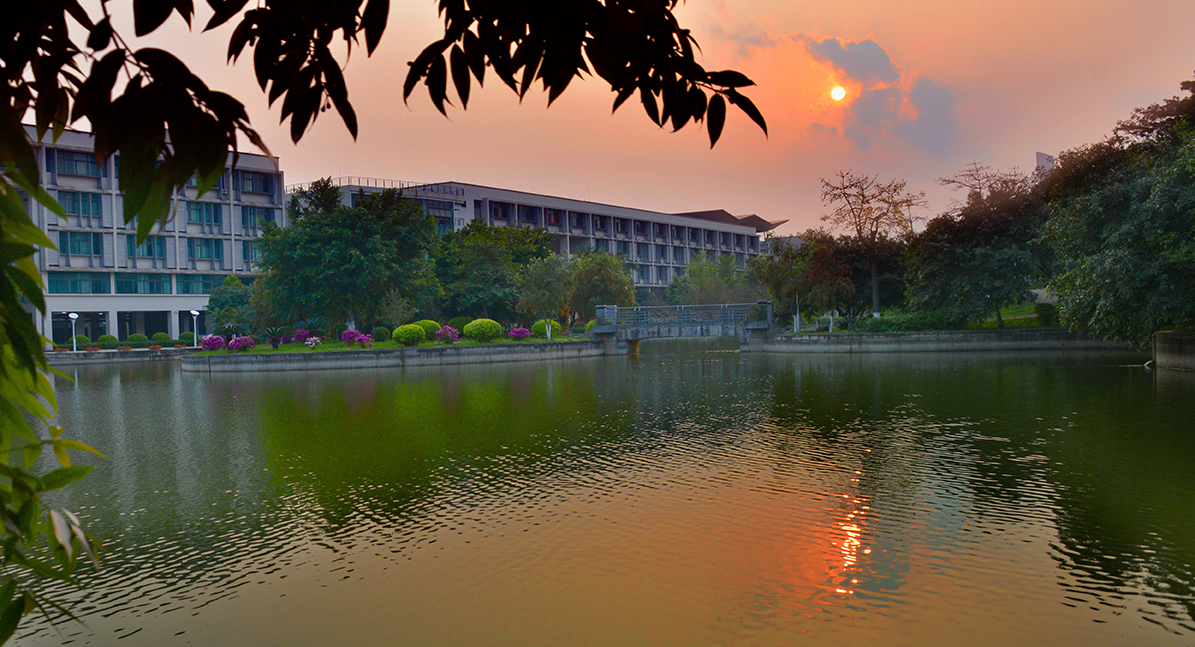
(112, 326)
(172, 323)
(47, 325)
(568, 250)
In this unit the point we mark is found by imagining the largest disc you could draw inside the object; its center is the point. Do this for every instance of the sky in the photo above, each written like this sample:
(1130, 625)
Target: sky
(931, 87)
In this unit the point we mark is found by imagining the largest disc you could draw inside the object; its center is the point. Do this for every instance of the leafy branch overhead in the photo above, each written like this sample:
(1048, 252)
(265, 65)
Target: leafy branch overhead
(636, 46)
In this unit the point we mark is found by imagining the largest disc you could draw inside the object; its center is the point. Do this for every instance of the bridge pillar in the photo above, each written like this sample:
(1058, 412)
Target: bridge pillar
(633, 347)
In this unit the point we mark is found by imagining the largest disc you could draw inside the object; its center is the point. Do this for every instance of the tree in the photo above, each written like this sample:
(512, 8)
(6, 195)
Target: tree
(717, 279)
(872, 212)
(340, 263)
(479, 267)
(975, 259)
(599, 279)
(547, 286)
(803, 273)
(1120, 223)
(321, 196)
(229, 303)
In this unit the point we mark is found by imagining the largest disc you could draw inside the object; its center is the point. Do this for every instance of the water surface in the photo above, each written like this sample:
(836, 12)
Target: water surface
(678, 498)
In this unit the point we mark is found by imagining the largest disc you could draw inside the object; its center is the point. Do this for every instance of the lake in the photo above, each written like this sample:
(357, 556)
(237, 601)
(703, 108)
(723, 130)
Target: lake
(689, 496)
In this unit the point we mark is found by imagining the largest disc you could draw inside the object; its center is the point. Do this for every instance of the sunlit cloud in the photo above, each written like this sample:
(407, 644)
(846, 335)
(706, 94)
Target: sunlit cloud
(864, 60)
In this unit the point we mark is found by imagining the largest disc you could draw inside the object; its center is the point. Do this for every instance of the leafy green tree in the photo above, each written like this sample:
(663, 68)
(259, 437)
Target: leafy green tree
(479, 267)
(340, 263)
(803, 273)
(979, 257)
(599, 279)
(229, 303)
(679, 291)
(321, 196)
(1121, 224)
(871, 212)
(547, 285)
(718, 279)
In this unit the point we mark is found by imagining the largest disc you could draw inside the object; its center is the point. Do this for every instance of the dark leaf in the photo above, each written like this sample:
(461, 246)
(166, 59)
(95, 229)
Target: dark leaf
(715, 118)
(225, 10)
(101, 35)
(748, 107)
(437, 81)
(373, 20)
(148, 15)
(729, 79)
(64, 476)
(649, 105)
(460, 75)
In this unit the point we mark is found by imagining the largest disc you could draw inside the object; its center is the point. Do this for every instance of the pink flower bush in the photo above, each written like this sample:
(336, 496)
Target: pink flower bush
(241, 343)
(300, 335)
(350, 337)
(448, 335)
(211, 342)
(519, 334)
(312, 342)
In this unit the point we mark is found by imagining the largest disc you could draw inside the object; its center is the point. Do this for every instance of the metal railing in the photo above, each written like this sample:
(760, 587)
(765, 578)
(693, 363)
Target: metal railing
(725, 313)
(382, 183)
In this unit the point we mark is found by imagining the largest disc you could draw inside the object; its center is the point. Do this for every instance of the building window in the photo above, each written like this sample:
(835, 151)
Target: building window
(250, 251)
(640, 228)
(257, 182)
(738, 258)
(620, 225)
(624, 248)
(661, 253)
(643, 252)
(602, 244)
(78, 283)
(739, 240)
(205, 249)
(153, 247)
(205, 213)
(198, 283)
(725, 239)
(711, 237)
(678, 255)
(143, 284)
(253, 217)
(77, 163)
(83, 206)
(553, 217)
(599, 223)
(644, 273)
(678, 234)
(578, 220)
(501, 210)
(661, 275)
(661, 231)
(528, 215)
(81, 243)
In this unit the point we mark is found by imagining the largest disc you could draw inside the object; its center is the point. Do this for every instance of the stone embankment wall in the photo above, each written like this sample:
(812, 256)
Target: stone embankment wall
(933, 341)
(75, 358)
(396, 357)
(1175, 350)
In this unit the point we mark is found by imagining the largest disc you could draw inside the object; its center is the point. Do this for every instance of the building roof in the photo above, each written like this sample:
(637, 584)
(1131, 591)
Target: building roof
(725, 217)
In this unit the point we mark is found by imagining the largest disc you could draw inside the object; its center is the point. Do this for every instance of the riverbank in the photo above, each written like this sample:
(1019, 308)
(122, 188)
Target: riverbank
(933, 341)
(1175, 350)
(392, 357)
(76, 358)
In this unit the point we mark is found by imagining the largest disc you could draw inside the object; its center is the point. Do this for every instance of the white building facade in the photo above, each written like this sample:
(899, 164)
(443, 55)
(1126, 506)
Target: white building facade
(658, 245)
(119, 287)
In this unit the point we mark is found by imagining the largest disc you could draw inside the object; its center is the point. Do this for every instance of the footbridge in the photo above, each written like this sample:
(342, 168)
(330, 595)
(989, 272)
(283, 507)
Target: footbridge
(622, 328)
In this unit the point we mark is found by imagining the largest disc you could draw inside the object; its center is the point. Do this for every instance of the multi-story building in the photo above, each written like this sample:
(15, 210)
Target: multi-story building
(658, 245)
(119, 287)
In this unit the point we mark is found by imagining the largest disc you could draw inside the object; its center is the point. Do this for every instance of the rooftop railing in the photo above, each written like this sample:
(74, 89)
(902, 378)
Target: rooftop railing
(382, 183)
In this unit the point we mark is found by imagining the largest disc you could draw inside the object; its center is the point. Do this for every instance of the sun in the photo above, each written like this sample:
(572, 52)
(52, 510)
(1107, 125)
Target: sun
(838, 93)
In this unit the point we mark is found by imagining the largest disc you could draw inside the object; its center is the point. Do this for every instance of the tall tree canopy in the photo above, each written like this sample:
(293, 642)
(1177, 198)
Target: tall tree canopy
(600, 279)
(803, 273)
(873, 212)
(479, 267)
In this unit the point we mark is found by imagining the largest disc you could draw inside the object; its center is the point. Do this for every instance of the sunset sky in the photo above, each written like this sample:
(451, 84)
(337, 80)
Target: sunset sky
(931, 86)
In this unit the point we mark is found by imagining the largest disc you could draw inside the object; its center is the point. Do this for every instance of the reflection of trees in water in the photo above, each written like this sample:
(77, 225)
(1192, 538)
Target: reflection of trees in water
(1087, 446)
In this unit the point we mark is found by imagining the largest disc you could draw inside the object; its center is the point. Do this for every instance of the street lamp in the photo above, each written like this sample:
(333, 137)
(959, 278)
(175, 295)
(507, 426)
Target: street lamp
(74, 342)
(195, 328)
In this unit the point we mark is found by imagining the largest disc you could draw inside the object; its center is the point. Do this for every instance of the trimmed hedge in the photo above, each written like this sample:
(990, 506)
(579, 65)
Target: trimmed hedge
(459, 322)
(187, 338)
(137, 337)
(540, 328)
(429, 328)
(482, 330)
(80, 340)
(107, 339)
(161, 337)
(409, 335)
(380, 333)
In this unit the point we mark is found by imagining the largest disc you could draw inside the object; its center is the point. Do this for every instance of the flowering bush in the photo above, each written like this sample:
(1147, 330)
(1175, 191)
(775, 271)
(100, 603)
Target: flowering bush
(519, 334)
(448, 335)
(364, 341)
(211, 342)
(241, 343)
(312, 341)
(179, 346)
(155, 347)
(301, 336)
(124, 348)
(349, 337)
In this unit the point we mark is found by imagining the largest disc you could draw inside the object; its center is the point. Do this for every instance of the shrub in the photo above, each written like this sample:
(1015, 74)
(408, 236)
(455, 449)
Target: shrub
(301, 335)
(903, 322)
(80, 340)
(106, 339)
(448, 335)
(519, 334)
(380, 333)
(124, 348)
(409, 335)
(155, 346)
(241, 343)
(161, 337)
(459, 322)
(211, 342)
(137, 337)
(312, 342)
(482, 330)
(187, 337)
(1047, 314)
(349, 337)
(589, 326)
(179, 346)
(540, 328)
(430, 328)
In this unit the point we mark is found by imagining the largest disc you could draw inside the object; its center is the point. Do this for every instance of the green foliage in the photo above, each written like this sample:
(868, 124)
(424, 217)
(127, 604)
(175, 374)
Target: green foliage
(459, 322)
(341, 263)
(599, 279)
(804, 272)
(717, 279)
(187, 337)
(589, 326)
(547, 286)
(380, 333)
(81, 340)
(482, 330)
(1047, 314)
(429, 327)
(540, 328)
(409, 334)
(161, 337)
(138, 337)
(103, 339)
(479, 267)
(904, 322)
(395, 309)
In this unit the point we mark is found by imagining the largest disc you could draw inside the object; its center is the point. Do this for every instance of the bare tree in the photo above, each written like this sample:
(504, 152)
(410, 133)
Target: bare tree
(871, 211)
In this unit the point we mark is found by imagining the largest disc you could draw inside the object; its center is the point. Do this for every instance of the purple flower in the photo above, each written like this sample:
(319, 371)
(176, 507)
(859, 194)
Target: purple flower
(211, 342)
(518, 333)
(241, 343)
(448, 335)
(364, 341)
(349, 337)
(312, 342)
(300, 336)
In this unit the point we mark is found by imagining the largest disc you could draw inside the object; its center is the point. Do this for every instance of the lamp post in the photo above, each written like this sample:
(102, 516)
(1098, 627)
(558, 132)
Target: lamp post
(74, 342)
(195, 328)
